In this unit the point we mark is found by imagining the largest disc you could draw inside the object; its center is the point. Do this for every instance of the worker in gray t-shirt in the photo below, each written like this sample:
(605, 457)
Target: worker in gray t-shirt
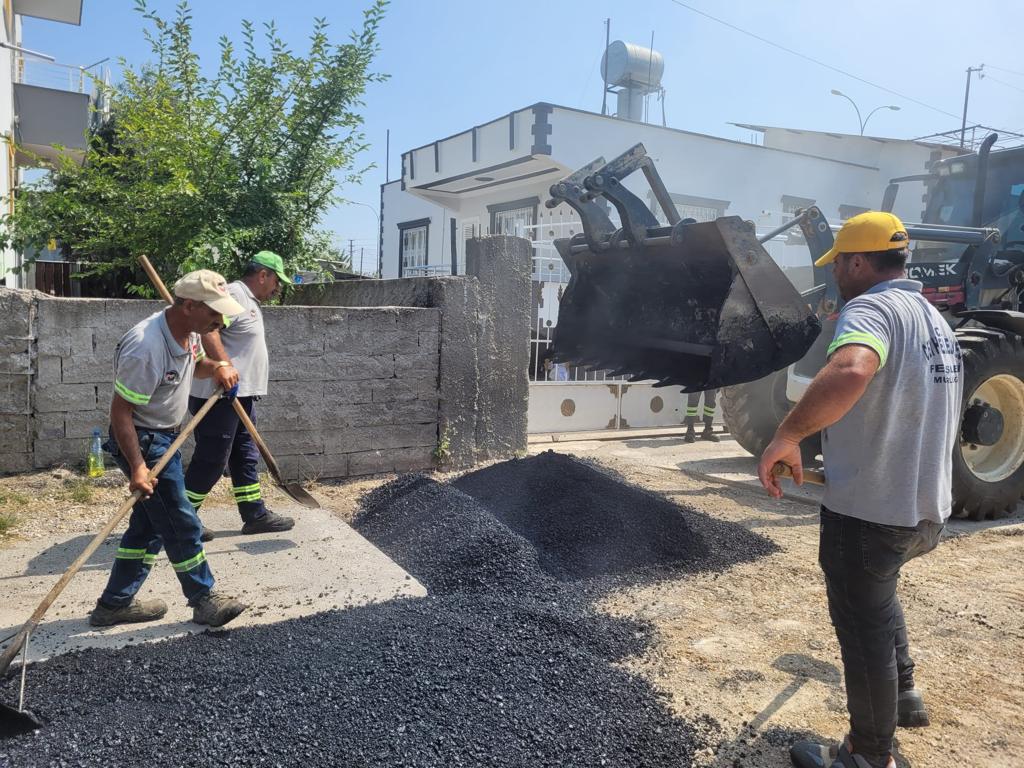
(221, 440)
(888, 405)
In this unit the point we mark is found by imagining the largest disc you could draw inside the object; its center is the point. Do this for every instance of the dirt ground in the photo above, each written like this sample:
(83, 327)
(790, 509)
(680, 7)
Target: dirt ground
(750, 652)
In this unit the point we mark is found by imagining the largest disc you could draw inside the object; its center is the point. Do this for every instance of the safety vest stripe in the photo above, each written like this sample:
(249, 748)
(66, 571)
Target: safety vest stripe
(250, 497)
(860, 337)
(691, 411)
(709, 411)
(195, 496)
(136, 398)
(149, 559)
(246, 488)
(192, 562)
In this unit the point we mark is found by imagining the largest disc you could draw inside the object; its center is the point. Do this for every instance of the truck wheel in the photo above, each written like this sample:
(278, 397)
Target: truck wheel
(988, 468)
(753, 411)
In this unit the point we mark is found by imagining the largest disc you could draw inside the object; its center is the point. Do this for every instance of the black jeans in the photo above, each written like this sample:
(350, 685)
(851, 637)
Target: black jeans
(862, 562)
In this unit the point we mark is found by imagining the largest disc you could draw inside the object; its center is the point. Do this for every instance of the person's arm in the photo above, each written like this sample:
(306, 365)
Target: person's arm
(128, 443)
(834, 391)
(215, 362)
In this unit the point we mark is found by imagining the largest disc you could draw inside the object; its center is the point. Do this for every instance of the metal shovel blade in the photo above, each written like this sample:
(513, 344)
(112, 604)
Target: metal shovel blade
(16, 722)
(701, 306)
(299, 494)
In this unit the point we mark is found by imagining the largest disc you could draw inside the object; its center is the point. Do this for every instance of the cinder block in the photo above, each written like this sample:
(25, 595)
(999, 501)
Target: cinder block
(300, 394)
(54, 398)
(14, 393)
(429, 341)
(55, 341)
(370, 462)
(342, 367)
(47, 453)
(411, 459)
(354, 439)
(405, 389)
(48, 370)
(49, 426)
(81, 424)
(404, 342)
(418, 363)
(15, 307)
(15, 462)
(418, 319)
(293, 442)
(312, 346)
(82, 369)
(349, 392)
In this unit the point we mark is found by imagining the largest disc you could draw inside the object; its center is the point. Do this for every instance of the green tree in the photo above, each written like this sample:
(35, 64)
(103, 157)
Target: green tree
(200, 171)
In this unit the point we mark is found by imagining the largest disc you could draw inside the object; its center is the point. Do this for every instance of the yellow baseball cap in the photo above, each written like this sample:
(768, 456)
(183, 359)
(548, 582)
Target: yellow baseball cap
(209, 287)
(866, 233)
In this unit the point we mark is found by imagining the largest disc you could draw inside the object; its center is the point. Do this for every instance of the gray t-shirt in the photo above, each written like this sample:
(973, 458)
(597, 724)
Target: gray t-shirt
(890, 459)
(154, 373)
(244, 341)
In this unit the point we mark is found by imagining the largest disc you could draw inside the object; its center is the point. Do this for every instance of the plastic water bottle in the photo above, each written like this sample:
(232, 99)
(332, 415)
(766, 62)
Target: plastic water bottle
(94, 462)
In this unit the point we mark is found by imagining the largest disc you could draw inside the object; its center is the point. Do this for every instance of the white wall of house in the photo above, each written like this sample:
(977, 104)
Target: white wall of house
(707, 175)
(9, 34)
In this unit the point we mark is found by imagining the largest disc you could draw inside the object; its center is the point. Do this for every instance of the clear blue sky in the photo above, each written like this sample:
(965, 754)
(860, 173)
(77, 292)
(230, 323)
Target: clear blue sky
(457, 63)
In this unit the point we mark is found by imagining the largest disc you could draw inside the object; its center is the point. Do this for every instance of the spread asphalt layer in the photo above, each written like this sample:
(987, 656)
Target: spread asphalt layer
(504, 664)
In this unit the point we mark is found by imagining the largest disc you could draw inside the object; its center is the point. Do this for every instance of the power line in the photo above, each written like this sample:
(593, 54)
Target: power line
(1004, 69)
(811, 59)
(1008, 85)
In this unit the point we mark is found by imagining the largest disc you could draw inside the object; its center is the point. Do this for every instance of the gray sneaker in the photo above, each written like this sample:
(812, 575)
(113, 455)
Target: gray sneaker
(911, 710)
(136, 611)
(271, 522)
(216, 609)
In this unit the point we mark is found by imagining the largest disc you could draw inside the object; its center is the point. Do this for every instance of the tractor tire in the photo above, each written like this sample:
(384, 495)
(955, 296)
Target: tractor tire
(753, 411)
(988, 481)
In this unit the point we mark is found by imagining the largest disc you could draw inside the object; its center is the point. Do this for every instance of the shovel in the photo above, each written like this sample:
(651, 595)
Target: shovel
(294, 490)
(16, 721)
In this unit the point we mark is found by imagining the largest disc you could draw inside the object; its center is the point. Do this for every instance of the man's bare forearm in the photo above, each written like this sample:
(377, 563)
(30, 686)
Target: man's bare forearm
(214, 347)
(124, 432)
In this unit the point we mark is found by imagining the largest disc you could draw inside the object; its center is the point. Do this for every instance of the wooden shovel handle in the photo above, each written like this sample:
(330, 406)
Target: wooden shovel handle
(12, 650)
(814, 476)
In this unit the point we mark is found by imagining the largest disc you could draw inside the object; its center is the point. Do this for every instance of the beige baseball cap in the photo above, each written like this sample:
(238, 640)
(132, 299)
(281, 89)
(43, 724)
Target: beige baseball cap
(207, 286)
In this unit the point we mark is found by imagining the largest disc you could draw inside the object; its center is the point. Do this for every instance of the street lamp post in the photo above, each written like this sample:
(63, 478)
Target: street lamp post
(376, 216)
(863, 123)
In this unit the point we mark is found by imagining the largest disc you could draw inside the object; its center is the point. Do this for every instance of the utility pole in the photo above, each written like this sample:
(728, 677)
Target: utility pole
(604, 64)
(967, 95)
(361, 261)
(350, 262)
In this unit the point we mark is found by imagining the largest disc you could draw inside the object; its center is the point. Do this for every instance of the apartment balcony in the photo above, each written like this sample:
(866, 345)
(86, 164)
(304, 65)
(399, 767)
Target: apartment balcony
(52, 110)
(66, 11)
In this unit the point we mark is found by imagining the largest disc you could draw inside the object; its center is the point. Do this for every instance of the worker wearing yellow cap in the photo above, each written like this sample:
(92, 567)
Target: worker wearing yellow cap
(887, 404)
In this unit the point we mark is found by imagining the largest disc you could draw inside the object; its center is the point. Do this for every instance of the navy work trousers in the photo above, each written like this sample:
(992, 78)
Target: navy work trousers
(167, 520)
(222, 441)
(862, 562)
(692, 411)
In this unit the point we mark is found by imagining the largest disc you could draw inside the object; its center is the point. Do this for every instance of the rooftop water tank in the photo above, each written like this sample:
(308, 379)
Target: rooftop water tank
(627, 64)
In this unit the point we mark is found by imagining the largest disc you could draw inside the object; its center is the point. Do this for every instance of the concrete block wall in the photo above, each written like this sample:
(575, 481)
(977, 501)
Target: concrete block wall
(352, 391)
(484, 343)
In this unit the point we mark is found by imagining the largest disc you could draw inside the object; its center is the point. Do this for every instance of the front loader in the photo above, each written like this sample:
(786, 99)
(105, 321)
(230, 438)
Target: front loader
(695, 305)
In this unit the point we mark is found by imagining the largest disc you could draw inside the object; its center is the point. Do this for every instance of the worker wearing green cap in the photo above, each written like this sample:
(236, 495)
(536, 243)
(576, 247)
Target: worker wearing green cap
(221, 440)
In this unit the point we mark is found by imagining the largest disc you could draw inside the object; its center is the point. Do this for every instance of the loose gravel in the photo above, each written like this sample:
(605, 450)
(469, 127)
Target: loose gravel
(506, 663)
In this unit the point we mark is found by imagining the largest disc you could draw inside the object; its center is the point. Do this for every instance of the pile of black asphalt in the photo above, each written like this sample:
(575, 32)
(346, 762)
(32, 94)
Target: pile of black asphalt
(505, 663)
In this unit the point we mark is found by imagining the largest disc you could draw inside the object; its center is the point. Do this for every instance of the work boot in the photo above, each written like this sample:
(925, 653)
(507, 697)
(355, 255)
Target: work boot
(216, 609)
(136, 611)
(809, 754)
(206, 535)
(271, 522)
(911, 710)
(691, 434)
(709, 434)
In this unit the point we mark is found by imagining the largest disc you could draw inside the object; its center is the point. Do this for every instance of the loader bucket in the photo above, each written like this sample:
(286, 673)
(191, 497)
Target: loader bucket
(695, 305)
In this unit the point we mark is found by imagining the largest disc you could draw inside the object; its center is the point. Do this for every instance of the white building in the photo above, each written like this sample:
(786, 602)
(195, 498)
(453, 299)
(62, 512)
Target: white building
(494, 178)
(42, 103)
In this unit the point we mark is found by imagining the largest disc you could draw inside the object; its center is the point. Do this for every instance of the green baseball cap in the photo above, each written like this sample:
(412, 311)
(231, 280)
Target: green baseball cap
(273, 262)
